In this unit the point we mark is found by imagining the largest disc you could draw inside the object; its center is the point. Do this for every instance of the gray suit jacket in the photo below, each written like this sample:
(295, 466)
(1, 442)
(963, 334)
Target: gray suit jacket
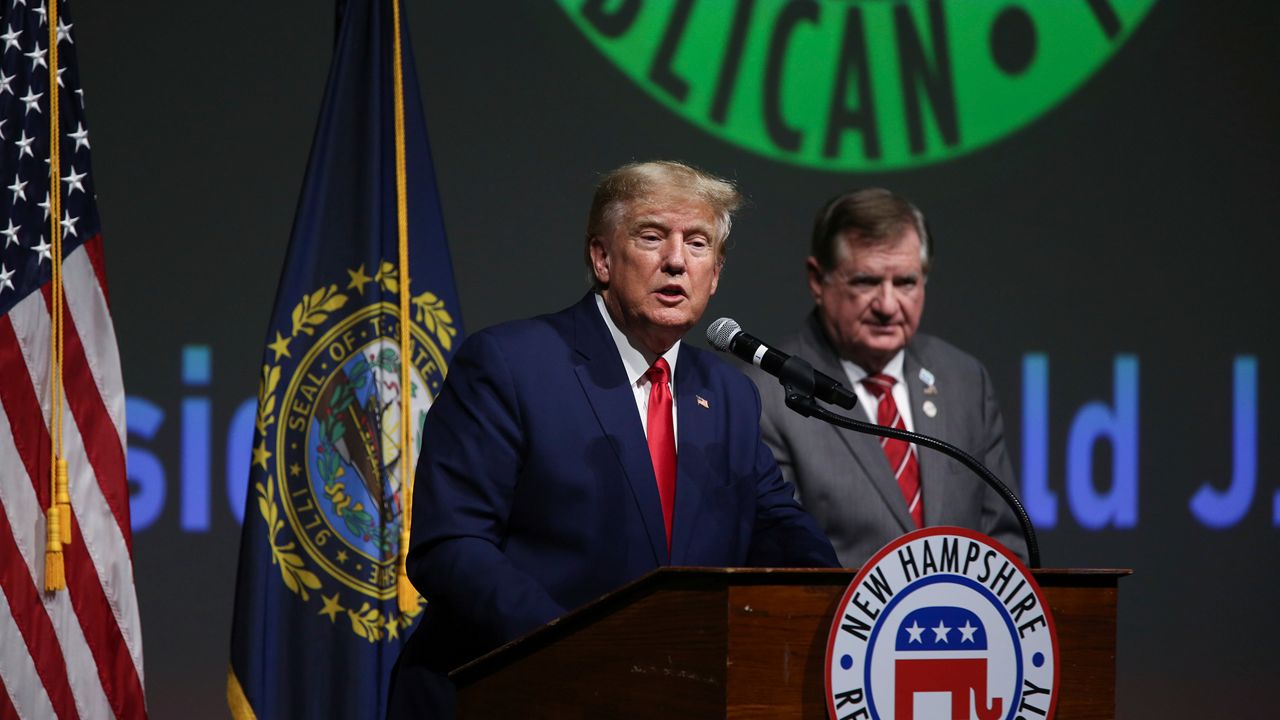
(842, 477)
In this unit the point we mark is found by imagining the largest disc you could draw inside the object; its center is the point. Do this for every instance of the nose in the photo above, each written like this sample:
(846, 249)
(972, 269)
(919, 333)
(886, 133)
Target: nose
(673, 255)
(885, 302)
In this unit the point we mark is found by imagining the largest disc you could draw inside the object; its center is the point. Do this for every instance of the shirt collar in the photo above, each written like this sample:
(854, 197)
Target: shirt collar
(894, 368)
(637, 360)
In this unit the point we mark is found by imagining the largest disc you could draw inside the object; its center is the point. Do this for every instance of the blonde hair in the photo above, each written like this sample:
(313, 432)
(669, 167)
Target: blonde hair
(634, 182)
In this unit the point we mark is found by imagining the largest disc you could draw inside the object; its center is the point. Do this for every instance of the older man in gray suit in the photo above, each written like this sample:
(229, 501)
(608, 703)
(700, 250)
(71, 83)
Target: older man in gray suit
(867, 275)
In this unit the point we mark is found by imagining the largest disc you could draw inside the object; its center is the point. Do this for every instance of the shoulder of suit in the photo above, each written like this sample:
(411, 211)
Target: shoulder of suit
(715, 369)
(708, 362)
(542, 331)
(932, 351)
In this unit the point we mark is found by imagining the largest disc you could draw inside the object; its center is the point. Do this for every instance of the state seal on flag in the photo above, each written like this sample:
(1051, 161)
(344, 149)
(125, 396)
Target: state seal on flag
(942, 623)
(329, 439)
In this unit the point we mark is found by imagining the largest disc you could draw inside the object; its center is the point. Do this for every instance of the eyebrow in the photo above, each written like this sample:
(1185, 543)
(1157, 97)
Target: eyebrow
(880, 276)
(647, 221)
(643, 222)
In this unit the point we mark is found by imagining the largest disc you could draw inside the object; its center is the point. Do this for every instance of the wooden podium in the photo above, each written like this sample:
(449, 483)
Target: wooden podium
(741, 643)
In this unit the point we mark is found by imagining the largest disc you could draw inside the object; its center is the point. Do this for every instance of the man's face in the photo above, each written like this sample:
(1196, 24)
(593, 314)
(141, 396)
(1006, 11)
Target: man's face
(870, 304)
(658, 267)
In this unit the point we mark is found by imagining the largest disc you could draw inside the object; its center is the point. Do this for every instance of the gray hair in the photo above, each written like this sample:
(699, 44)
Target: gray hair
(875, 215)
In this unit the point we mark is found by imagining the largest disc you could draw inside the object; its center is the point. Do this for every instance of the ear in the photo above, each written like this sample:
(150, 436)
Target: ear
(715, 274)
(815, 275)
(599, 259)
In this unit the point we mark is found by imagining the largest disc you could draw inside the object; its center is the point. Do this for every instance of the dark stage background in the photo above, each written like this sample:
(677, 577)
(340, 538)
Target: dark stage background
(1110, 261)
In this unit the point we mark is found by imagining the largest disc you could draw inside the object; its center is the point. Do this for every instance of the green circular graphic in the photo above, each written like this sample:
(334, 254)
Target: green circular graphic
(859, 85)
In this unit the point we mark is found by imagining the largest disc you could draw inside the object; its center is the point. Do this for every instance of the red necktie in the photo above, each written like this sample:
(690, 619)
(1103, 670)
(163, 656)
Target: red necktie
(901, 455)
(662, 440)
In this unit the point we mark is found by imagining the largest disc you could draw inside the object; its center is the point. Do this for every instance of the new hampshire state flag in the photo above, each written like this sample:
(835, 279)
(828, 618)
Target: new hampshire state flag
(317, 624)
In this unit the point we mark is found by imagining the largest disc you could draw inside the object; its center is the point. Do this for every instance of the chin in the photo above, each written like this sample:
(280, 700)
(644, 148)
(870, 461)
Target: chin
(672, 317)
(885, 346)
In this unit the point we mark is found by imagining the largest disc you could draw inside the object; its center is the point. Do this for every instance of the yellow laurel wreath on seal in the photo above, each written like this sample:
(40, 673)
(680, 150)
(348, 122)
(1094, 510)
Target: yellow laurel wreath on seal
(315, 309)
(292, 568)
(428, 309)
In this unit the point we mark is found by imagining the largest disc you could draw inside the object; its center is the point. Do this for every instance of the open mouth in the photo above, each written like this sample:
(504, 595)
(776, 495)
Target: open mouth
(671, 293)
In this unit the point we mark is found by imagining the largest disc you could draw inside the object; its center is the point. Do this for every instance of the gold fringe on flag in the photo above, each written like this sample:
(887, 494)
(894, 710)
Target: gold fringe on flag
(58, 516)
(406, 595)
(241, 709)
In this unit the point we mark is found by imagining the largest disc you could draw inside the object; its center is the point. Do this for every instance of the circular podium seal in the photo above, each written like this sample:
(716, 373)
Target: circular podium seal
(943, 622)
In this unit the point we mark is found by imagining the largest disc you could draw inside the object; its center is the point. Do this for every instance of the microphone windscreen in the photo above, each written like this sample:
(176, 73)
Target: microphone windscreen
(721, 332)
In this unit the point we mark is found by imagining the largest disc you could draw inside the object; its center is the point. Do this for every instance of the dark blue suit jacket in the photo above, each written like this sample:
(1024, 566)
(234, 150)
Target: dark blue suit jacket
(535, 494)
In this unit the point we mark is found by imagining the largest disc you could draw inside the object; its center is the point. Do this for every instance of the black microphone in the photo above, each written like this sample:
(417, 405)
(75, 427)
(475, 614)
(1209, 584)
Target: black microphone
(726, 335)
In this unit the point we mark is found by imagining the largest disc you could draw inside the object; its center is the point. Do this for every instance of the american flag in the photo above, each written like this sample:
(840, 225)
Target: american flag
(75, 652)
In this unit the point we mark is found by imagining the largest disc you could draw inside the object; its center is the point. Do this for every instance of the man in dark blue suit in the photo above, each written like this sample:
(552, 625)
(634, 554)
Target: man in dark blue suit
(572, 453)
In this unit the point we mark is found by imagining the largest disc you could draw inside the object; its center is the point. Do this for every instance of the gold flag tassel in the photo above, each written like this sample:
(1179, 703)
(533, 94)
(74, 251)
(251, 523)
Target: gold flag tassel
(406, 594)
(55, 577)
(63, 497)
(58, 516)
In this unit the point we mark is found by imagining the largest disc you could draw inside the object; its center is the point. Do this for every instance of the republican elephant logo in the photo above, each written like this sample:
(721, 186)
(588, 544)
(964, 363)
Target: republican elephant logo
(943, 650)
(942, 624)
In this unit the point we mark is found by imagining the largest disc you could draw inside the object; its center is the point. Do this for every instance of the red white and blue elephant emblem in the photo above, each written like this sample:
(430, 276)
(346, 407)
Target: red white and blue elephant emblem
(943, 650)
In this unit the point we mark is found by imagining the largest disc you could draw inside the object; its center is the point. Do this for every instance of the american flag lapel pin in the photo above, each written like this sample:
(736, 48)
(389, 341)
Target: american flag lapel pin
(703, 402)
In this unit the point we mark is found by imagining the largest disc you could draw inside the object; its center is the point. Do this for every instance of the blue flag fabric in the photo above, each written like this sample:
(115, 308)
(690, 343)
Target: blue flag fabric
(317, 627)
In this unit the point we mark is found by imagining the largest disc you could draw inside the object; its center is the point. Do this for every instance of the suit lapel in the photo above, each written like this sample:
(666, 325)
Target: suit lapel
(696, 429)
(932, 487)
(604, 381)
(865, 449)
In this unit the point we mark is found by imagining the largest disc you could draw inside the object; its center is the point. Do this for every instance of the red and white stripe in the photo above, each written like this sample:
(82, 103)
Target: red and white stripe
(900, 454)
(76, 652)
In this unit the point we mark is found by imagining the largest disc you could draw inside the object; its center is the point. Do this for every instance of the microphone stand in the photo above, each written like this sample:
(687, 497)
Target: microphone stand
(797, 378)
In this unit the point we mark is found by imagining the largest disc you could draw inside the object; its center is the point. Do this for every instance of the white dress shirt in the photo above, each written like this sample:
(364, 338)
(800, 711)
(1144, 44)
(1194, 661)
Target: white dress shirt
(868, 401)
(637, 362)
